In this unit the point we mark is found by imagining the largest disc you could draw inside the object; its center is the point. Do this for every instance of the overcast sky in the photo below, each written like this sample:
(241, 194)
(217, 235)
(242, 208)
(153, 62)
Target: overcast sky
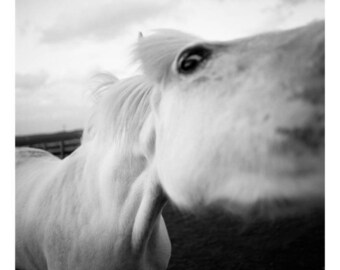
(60, 44)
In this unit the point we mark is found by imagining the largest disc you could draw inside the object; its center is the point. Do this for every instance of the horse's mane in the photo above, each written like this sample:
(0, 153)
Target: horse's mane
(100, 83)
(120, 110)
(158, 51)
(122, 106)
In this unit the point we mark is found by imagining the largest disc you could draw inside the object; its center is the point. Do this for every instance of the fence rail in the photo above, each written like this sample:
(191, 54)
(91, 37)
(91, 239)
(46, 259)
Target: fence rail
(60, 144)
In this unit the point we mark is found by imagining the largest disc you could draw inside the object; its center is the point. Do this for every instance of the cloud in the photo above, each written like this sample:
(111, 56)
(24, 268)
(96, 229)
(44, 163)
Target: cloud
(286, 14)
(30, 81)
(297, 2)
(102, 22)
(62, 102)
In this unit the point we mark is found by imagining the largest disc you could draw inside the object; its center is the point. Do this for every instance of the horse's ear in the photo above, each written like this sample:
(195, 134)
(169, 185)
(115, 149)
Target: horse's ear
(100, 83)
(157, 52)
(140, 35)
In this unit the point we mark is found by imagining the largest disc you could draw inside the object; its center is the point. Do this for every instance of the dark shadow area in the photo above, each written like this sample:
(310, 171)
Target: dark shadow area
(218, 241)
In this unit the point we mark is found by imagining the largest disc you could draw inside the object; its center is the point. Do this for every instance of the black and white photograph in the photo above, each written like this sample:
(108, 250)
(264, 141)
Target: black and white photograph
(179, 135)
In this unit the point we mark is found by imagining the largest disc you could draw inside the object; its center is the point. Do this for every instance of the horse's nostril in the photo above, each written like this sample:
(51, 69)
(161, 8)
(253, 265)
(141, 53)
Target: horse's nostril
(310, 137)
(313, 94)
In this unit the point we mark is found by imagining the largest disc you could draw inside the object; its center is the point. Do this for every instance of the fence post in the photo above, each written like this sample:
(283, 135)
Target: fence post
(61, 144)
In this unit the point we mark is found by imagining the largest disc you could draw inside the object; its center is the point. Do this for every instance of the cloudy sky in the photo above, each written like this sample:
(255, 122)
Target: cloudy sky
(61, 44)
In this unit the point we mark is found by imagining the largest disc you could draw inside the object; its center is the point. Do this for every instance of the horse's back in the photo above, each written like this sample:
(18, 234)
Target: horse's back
(33, 167)
(31, 164)
(34, 170)
(27, 154)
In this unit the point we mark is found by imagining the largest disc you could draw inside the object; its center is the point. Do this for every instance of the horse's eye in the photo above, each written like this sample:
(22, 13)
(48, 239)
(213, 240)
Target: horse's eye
(192, 58)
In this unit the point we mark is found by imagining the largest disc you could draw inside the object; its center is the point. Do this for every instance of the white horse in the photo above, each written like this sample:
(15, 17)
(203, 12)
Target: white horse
(208, 124)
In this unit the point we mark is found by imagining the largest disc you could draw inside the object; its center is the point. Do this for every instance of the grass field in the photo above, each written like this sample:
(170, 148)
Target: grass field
(221, 241)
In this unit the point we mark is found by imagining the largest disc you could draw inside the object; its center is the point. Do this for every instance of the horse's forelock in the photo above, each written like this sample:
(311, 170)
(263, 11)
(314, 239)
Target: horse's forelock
(157, 52)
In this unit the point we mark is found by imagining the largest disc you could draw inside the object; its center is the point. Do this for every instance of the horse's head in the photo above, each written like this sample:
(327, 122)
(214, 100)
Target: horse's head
(239, 121)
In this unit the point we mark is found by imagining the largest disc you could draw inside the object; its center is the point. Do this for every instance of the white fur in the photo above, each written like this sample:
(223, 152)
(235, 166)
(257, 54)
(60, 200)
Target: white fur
(212, 143)
(100, 207)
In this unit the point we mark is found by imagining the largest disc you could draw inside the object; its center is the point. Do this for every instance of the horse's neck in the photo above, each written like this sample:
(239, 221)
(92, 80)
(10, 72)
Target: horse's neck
(109, 175)
(124, 188)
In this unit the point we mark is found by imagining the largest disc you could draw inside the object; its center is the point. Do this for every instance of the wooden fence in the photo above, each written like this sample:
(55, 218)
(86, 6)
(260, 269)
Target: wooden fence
(60, 144)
